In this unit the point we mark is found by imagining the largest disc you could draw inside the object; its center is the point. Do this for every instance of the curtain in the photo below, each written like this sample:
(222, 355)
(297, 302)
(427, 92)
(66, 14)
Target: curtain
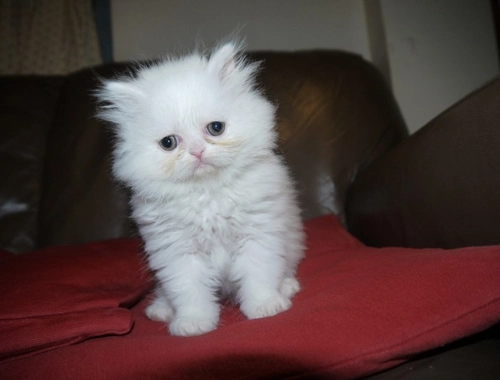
(47, 36)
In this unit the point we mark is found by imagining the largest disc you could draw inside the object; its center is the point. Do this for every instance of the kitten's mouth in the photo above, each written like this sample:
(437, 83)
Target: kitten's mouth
(202, 169)
(202, 164)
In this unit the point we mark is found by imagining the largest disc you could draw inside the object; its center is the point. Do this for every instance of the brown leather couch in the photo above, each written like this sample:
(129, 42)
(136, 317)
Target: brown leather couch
(343, 136)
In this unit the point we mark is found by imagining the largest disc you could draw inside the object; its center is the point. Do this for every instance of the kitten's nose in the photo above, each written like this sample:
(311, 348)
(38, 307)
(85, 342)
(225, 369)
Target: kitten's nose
(197, 152)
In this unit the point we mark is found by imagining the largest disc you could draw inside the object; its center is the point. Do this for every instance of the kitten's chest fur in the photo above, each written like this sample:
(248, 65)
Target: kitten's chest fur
(206, 222)
(217, 220)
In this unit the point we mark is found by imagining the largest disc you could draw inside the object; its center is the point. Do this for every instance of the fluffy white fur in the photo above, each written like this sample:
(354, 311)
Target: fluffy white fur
(218, 214)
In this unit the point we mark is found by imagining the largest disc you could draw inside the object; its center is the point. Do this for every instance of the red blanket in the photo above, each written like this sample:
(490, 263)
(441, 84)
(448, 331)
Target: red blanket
(69, 313)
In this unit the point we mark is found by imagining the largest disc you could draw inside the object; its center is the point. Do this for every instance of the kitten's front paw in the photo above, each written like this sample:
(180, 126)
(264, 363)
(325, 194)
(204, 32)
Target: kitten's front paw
(289, 287)
(190, 326)
(272, 306)
(160, 310)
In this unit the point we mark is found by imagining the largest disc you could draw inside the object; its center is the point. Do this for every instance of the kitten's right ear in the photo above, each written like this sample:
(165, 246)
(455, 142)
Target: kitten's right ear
(224, 60)
(118, 100)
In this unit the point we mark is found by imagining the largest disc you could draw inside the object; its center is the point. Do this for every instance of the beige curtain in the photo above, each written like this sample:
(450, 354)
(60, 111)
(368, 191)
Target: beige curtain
(47, 36)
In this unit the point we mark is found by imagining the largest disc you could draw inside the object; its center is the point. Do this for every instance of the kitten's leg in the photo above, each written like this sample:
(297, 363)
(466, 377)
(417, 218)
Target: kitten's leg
(289, 287)
(295, 252)
(190, 288)
(263, 291)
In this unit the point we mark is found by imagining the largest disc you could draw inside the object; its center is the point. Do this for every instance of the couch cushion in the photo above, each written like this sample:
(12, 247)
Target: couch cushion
(27, 107)
(81, 203)
(334, 108)
(361, 310)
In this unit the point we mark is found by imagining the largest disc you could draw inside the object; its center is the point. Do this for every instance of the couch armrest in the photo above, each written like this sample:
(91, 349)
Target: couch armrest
(440, 187)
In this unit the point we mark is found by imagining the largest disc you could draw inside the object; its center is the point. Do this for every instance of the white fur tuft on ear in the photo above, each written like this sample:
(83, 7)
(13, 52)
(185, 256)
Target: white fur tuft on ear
(224, 60)
(118, 98)
(115, 91)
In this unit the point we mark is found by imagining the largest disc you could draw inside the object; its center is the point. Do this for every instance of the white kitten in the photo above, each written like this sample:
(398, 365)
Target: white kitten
(215, 206)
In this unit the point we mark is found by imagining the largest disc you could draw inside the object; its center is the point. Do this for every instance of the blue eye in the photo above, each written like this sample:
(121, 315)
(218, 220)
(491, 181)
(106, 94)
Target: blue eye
(169, 142)
(215, 128)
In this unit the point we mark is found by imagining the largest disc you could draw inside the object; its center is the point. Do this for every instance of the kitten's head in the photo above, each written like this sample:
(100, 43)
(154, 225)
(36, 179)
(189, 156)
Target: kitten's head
(188, 119)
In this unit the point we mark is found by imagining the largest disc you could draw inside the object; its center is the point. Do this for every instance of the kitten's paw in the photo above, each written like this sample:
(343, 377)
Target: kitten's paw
(289, 287)
(272, 306)
(190, 326)
(160, 310)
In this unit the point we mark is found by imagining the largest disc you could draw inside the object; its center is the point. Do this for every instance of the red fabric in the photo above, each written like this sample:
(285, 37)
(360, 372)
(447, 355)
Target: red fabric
(4, 254)
(63, 295)
(361, 310)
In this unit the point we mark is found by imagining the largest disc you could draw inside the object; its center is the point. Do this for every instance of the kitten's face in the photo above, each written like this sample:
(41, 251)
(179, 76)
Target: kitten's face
(188, 120)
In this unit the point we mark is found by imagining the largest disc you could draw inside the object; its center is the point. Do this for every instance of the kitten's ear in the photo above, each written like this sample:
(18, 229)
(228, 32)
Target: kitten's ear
(224, 61)
(118, 100)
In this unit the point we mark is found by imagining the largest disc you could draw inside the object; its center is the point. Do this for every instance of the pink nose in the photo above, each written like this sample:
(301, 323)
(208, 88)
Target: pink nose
(197, 152)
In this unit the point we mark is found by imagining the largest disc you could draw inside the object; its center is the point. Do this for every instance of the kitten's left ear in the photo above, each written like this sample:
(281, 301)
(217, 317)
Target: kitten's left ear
(224, 60)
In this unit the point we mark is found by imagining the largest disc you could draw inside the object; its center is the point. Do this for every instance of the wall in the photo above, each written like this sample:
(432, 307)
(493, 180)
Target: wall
(439, 51)
(146, 29)
(432, 52)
